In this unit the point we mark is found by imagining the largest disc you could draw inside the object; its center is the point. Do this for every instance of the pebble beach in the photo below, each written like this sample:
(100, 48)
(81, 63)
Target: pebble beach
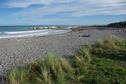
(20, 51)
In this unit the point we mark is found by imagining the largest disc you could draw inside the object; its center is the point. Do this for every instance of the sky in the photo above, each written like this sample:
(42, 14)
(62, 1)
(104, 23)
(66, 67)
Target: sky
(61, 12)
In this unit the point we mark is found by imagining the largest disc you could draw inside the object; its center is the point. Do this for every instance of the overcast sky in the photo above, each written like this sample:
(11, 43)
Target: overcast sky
(61, 12)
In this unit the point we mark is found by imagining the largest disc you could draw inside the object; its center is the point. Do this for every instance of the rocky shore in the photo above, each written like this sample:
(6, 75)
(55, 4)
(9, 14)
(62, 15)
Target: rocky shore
(20, 51)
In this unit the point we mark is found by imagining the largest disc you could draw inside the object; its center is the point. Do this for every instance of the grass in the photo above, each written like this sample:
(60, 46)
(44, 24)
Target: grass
(101, 63)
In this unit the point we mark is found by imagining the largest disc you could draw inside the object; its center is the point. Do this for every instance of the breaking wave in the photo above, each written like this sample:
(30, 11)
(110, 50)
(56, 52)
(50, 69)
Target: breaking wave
(8, 34)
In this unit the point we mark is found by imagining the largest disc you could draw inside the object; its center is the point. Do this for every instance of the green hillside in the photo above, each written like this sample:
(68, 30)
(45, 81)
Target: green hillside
(118, 24)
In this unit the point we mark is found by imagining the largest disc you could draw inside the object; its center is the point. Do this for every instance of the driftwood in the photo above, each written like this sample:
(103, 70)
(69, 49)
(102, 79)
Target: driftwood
(122, 31)
(85, 35)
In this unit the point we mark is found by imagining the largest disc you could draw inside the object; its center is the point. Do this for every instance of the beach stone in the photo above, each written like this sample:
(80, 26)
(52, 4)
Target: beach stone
(21, 51)
(1, 69)
(1, 66)
(86, 35)
(3, 80)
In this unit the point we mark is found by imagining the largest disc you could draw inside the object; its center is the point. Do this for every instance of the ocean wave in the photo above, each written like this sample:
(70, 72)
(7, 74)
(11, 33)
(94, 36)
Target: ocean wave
(31, 33)
(22, 32)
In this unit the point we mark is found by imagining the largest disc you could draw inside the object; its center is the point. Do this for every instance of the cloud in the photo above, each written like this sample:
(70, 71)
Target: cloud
(67, 8)
(27, 3)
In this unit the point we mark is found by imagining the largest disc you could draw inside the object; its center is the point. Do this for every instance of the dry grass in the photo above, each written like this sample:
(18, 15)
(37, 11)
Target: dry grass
(100, 63)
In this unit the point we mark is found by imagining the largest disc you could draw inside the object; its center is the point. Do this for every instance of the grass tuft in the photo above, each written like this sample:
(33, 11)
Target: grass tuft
(101, 63)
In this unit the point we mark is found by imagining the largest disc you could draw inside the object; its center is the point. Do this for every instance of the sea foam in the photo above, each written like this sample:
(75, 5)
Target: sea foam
(12, 34)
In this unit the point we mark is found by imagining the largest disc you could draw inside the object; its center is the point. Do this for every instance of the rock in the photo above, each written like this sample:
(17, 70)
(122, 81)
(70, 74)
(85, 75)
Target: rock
(86, 35)
(3, 80)
(1, 66)
(1, 70)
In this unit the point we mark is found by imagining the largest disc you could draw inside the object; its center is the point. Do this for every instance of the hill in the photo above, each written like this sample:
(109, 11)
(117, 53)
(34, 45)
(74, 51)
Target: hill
(118, 24)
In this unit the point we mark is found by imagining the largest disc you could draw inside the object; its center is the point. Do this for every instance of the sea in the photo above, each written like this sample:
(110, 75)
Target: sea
(16, 28)
(23, 31)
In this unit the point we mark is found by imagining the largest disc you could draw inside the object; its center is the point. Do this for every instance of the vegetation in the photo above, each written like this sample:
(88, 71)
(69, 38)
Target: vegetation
(101, 63)
(118, 24)
(121, 24)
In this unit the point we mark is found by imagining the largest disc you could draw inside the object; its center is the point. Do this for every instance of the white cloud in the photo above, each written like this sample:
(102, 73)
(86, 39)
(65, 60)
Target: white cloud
(27, 3)
(68, 8)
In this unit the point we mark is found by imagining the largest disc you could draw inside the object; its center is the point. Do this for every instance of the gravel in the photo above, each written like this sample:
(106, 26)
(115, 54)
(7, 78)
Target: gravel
(20, 51)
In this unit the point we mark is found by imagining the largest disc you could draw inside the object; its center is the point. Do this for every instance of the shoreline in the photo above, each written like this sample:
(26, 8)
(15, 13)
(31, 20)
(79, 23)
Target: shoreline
(31, 33)
(20, 51)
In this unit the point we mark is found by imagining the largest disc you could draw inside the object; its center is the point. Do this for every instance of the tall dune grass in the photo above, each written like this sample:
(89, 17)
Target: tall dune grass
(101, 63)
(50, 70)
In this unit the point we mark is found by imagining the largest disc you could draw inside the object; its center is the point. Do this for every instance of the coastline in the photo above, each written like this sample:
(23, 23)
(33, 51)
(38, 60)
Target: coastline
(30, 33)
(20, 51)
